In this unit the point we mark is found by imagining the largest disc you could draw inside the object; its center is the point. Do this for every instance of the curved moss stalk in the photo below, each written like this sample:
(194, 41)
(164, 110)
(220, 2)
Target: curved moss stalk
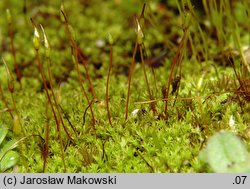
(140, 37)
(50, 102)
(152, 67)
(77, 49)
(17, 128)
(77, 55)
(174, 62)
(83, 90)
(110, 39)
(36, 42)
(131, 69)
(45, 146)
(48, 61)
(146, 79)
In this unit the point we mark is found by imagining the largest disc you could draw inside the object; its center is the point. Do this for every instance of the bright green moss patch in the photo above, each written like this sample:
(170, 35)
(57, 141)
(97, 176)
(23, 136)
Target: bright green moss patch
(208, 89)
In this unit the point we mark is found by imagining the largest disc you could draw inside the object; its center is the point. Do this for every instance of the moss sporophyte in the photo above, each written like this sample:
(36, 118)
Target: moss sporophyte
(161, 86)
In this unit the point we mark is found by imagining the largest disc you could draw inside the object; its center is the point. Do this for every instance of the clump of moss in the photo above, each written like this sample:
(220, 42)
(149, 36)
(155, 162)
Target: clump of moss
(205, 90)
